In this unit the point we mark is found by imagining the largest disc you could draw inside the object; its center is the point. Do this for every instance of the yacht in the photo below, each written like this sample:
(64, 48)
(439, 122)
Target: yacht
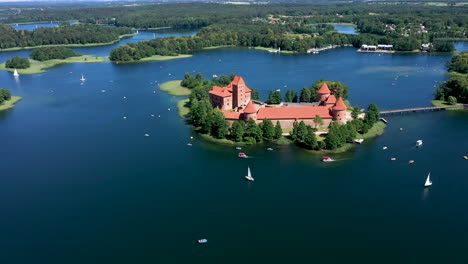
(15, 73)
(82, 78)
(419, 143)
(327, 159)
(428, 181)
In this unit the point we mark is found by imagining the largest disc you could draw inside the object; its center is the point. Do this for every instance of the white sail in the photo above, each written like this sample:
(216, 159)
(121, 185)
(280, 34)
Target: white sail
(82, 78)
(428, 180)
(16, 74)
(248, 172)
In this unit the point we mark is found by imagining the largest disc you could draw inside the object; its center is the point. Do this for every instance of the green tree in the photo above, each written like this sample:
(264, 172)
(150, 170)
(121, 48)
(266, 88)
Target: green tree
(305, 95)
(290, 96)
(274, 97)
(278, 130)
(17, 63)
(268, 131)
(318, 121)
(5, 94)
(372, 115)
(355, 112)
(255, 94)
(238, 130)
(456, 87)
(310, 140)
(452, 100)
(219, 127)
(459, 63)
(336, 88)
(299, 132)
(252, 130)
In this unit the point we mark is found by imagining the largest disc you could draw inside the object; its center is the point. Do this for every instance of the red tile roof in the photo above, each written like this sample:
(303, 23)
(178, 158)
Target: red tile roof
(307, 112)
(221, 91)
(340, 105)
(331, 99)
(232, 115)
(323, 89)
(250, 108)
(227, 91)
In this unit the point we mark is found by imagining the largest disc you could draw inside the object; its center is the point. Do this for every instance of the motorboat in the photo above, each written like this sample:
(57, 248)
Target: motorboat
(202, 241)
(384, 148)
(428, 181)
(238, 148)
(327, 159)
(393, 159)
(242, 155)
(269, 149)
(189, 144)
(249, 175)
(465, 157)
(419, 143)
(411, 161)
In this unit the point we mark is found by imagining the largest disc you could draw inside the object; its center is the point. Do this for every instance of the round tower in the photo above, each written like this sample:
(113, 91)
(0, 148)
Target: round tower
(339, 111)
(323, 93)
(250, 111)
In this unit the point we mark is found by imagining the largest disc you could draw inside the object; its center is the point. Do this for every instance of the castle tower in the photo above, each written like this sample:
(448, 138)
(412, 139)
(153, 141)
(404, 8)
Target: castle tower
(323, 93)
(339, 111)
(250, 111)
(238, 92)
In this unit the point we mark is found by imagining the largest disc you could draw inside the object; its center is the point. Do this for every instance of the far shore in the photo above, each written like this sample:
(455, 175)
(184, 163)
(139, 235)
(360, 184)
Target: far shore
(40, 66)
(71, 45)
(10, 103)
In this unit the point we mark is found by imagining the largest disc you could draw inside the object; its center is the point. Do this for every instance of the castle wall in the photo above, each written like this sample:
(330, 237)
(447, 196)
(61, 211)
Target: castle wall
(289, 123)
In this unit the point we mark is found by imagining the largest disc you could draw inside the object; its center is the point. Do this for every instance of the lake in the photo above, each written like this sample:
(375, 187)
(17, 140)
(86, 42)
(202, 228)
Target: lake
(80, 184)
(346, 29)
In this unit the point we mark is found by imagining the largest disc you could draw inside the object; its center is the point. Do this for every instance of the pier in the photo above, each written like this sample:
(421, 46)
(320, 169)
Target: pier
(422, 109)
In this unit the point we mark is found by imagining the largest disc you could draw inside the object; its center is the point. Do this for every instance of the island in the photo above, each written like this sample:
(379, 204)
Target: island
(7, 101)
(455, 90)
(225, 110)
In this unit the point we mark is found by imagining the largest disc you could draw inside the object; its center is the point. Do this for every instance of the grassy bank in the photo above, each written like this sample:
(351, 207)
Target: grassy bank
(218, 47)
(183, 108)
(10, 103)
(457, 74)
(40, 66)
(377, 130)
(161, 58)
(72, 45)
(267, 49)
(174, 88)
(444, 103)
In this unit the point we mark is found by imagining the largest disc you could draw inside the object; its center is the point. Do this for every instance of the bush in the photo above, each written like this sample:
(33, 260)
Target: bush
(452, 100)
(17, 63)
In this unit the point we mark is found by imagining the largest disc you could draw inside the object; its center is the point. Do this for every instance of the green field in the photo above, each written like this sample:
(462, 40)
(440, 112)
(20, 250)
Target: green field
(40, 66)
(174, 88)
(72, 45)
(444, 103)
(267, 49)
(183, 108)
(10, 103)
(162, 58)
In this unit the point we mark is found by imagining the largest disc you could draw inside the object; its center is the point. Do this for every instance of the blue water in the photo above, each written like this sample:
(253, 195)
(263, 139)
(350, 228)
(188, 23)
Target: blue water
(346, 29)
(32, 27)
(80, 184)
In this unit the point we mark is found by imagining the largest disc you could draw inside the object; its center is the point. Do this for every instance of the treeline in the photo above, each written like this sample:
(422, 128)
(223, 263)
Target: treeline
(67, 34)
(5, 95)
(338, 89)
(455, 90)
(50, 53)
(338, 134)
(17, 63)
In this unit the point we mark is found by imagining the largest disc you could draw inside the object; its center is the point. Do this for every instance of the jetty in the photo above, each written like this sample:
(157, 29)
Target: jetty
(422, 109)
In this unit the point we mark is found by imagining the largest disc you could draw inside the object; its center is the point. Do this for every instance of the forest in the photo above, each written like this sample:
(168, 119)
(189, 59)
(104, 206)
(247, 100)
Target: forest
(17, 63)
(66, 34)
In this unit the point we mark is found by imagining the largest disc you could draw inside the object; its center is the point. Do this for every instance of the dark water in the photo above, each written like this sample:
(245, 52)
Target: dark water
(80, 184)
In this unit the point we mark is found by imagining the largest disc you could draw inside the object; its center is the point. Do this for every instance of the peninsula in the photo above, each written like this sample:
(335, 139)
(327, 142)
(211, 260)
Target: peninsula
(6, 100)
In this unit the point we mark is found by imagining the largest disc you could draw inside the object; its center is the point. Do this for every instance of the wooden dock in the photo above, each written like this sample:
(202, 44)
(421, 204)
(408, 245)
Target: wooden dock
(422, 109)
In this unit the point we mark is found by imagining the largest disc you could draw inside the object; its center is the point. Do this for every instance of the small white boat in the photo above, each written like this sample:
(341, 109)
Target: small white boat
(202, 241)
(384, 148)
(15, 73)
(419, 143)
(249, 175)
(327, 159)
(428, 181)
(82, 78)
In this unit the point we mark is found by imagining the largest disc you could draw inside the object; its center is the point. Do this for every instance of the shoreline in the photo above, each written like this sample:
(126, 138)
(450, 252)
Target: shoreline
(10, 103)
(174, 88)
(71, 45)
(38, 67)
(155, 58)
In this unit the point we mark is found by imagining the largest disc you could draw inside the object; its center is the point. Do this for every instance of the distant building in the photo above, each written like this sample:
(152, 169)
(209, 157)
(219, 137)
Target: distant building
(235, 102)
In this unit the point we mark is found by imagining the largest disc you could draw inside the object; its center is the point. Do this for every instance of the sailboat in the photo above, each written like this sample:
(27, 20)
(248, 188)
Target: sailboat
(82, 78)
(428, 181)
(249, 175)
(15, 73)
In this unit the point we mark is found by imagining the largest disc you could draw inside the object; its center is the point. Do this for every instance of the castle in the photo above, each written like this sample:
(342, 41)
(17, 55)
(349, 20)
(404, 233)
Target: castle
(235, 102)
